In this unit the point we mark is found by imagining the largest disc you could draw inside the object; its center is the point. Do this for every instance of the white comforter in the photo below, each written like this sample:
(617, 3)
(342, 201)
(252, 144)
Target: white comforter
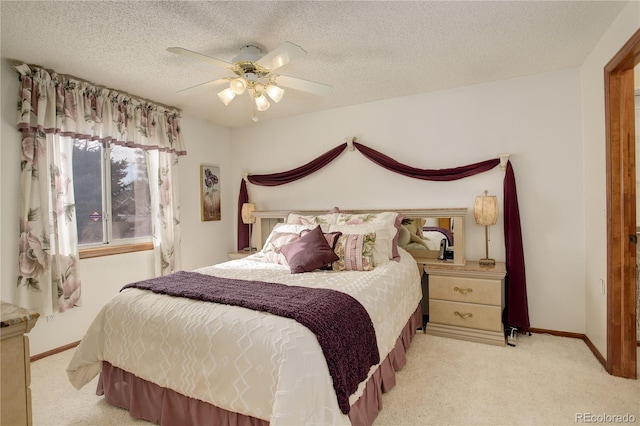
(244, 361)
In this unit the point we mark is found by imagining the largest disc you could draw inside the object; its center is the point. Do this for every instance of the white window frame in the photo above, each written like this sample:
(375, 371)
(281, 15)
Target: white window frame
(107, 224)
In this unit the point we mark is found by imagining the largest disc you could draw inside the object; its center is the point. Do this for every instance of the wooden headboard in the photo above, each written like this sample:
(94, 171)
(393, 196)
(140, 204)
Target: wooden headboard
(266, 220)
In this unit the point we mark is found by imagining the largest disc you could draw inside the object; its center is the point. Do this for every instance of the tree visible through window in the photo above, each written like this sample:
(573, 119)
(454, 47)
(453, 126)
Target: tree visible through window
(111, 192)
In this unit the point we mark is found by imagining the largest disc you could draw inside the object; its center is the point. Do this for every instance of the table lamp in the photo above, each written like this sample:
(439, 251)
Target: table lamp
(249, 219)
(486, 213)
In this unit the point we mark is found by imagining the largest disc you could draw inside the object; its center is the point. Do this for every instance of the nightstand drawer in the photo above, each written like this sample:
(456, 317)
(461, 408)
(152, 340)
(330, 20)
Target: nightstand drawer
(483, 317)
(472, 290)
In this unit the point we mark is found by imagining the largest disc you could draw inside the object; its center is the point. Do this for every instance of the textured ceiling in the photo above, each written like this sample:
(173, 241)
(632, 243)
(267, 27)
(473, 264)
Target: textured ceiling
(367, 51)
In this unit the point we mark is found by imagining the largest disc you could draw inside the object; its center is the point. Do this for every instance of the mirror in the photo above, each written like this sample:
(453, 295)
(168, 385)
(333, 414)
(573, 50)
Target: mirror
(431, 237)
(437, 239)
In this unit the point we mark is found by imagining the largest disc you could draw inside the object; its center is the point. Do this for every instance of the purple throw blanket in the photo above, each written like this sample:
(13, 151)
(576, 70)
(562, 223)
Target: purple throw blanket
(341, 324)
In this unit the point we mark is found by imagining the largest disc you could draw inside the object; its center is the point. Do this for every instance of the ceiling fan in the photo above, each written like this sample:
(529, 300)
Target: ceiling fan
(254, 74)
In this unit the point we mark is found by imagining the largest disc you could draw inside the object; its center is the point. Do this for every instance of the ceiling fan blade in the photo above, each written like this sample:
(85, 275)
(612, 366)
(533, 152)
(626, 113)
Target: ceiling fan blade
(303, 85)
(203, 85)
(281, 55)
(199, 56)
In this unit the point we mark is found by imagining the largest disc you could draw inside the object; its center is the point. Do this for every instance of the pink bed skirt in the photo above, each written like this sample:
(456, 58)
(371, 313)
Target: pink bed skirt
(163, 406)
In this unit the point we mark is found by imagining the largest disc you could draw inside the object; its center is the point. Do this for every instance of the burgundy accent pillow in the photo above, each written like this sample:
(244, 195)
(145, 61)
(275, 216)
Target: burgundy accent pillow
(332, 239)
(309, 252)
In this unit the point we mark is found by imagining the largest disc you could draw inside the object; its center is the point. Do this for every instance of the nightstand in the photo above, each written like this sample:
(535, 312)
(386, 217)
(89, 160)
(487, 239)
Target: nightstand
(466, 302)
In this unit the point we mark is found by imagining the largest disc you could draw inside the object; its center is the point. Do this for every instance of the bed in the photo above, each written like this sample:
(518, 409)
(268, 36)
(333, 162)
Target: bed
(176, 360)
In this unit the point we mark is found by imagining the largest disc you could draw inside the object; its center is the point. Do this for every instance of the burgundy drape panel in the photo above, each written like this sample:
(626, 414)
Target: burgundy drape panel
(517, 311)
(517, 314)
(243, 230)
(425, 174)
(275, 179)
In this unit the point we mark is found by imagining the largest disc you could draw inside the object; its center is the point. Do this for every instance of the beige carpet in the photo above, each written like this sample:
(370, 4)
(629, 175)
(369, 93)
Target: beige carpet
(544, 380)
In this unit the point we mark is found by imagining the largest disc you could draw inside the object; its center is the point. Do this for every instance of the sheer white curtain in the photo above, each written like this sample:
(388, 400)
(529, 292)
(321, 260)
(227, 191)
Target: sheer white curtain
(53, 111)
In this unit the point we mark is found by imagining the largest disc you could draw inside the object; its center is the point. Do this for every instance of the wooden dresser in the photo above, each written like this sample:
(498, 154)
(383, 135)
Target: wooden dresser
(466, 301)
(15, 404)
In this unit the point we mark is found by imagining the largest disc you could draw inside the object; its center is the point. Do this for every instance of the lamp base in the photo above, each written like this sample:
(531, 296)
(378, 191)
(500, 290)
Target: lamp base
(487, 262)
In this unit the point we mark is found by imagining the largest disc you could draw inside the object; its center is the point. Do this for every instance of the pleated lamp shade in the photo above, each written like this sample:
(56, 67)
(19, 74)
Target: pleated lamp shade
(247, 213)
(486, 209)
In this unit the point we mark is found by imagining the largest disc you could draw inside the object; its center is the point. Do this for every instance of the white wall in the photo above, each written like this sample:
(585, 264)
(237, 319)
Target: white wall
(203, 243)
(592, 73)
(536, 119)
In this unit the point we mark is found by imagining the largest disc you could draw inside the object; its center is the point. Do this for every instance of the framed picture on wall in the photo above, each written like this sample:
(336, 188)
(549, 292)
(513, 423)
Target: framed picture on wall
(209, 192)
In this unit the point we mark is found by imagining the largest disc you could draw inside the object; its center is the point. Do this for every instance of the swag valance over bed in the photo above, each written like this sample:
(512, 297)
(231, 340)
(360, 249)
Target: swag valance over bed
(517, 312)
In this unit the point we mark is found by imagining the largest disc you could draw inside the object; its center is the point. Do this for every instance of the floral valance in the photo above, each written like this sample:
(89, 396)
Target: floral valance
(79, 109)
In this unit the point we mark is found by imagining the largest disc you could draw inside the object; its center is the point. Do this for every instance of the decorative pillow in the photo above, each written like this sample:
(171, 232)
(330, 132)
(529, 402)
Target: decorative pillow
(275, 242)
(355, 252)
(332, 239)
(384, 235)
(391, 221)
(309, 252)
(323, 220)
(291, 227)
(281, 234)
(354, 219)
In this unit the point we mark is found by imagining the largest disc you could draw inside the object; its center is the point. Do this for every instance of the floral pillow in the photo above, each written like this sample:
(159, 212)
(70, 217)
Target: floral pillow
(355, 252)
(384, 235)
(323, 220)
(353, 219)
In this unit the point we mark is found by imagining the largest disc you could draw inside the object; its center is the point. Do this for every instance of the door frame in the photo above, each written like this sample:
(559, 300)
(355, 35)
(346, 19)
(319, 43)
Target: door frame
(621, 209)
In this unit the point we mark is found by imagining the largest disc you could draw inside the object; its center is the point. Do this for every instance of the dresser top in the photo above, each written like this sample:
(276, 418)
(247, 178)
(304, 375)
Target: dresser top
(471, 268)
(11, 314)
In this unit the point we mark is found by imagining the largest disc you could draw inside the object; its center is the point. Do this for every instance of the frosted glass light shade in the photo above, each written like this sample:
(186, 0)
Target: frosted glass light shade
(262, 103)
(238, 86)
(275, 92)
(226, 95)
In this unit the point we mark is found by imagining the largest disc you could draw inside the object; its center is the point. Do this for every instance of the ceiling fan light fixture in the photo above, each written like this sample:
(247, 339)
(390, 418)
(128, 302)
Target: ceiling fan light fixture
(262, 103)
(238, 85)
(254, 75)
(226, 96)
(275, 93)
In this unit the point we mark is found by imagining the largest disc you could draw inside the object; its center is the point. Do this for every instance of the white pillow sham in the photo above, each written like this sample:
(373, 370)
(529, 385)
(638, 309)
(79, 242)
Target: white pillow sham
(281, 234)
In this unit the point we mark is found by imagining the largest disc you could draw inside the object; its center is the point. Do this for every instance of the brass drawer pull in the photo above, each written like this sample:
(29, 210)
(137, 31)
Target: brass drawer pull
(463, 316)
(463, 290)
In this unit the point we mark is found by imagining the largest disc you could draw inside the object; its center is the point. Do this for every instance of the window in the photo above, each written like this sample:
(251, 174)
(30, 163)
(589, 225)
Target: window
(112, 194)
